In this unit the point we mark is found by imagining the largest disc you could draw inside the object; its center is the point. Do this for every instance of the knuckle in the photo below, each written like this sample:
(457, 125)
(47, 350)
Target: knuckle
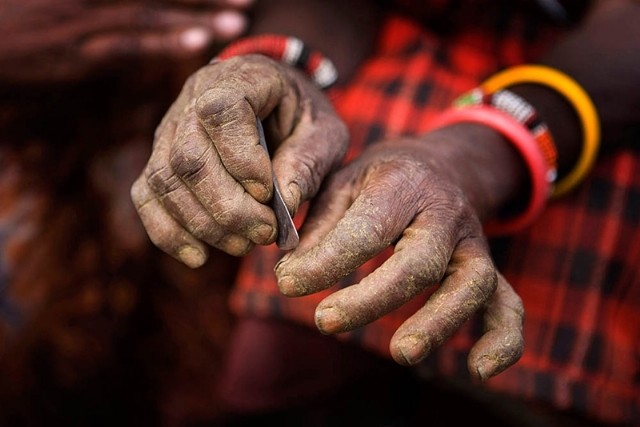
(380, 235)
(308, 176)
(340, 140)
(200, 225)
(431, 267)
(225, 212)
(191, 157)
(197, 81)
(517, 306)
(483, 279)
(217, 105)
(161, 178)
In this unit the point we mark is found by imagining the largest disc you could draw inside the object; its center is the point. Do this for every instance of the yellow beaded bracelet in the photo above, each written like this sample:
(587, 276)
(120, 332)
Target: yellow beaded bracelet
(576, 96)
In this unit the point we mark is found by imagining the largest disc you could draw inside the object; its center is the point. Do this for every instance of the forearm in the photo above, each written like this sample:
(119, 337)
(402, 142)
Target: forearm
(603, 56)
(344, 31)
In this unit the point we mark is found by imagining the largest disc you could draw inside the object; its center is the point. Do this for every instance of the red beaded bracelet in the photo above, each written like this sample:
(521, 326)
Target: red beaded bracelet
(289, 50)
(521, 110)
(518, 135)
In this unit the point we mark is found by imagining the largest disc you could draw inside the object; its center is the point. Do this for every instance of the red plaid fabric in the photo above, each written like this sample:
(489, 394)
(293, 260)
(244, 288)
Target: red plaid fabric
(576, 268)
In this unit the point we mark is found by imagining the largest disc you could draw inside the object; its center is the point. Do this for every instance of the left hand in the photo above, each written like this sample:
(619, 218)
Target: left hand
(208, 180)
(405, 194)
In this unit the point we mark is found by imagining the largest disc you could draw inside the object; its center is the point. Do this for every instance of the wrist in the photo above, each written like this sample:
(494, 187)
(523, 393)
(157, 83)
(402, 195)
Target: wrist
(560, 117)
(583, 109)
(353, 27)
(481, 162)
(520, 138)
(288, 50)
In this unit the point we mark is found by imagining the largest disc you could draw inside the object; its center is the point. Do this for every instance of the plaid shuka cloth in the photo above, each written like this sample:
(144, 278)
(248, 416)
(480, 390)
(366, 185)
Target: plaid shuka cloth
(576, 268)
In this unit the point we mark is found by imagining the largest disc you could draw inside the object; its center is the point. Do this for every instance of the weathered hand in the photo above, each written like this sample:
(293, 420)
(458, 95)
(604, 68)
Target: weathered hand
(44, 41)
(208, 180)
(406, 194)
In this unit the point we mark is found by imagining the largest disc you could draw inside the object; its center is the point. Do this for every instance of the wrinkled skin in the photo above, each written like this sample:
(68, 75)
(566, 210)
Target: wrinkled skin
(208, 180)
(400, 193)
(61, 41)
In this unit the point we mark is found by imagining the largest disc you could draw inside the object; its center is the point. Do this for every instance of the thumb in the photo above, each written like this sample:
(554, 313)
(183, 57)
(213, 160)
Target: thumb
(316, 146)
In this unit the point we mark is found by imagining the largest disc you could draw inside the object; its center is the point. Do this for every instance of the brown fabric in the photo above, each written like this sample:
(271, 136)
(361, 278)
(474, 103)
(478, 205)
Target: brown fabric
(97, 326)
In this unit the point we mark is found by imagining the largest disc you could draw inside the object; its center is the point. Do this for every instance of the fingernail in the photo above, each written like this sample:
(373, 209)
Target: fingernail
(486, 368)
(195, 38)
(330, 320)
(413, 349)
(236, 245)
(283, 260)
(262, 233)
(258, 191)
(229, 23)
(191, 256)
(294, 192)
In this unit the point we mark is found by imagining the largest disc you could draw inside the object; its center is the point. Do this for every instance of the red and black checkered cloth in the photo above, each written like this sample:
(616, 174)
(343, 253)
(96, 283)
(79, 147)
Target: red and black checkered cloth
(577, 268)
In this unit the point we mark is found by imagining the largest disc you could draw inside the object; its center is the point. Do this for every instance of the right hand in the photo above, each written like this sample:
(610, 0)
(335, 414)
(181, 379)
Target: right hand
(420, 197)
(208, 180)
(62, 41)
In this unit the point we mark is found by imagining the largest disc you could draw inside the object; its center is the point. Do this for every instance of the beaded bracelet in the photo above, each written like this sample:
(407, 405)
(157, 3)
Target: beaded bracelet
(290, 50)
(521, 110)
(576, 96)
(518, 135)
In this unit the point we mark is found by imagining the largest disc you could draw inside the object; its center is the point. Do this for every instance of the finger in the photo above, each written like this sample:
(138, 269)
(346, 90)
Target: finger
(470, 281)
(176, 198)
(316, 146)
(419, 261)
(176, 43)
(163, 230)
(195, 162)
(222, 25)
(326, 210)
(502, 343)
(365, 230)
(228, 110)
(132, 19)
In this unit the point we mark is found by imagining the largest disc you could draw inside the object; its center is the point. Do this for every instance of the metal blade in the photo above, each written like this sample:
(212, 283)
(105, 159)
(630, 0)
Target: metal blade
(287, 234)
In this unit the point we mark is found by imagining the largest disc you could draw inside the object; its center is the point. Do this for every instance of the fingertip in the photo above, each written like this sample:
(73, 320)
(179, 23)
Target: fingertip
(229, 24)
(484, 368)
(330, 320)
(236, 245)
(410, 349)
(262, 234)
(194, 39)
(290, 287)
(494, 353)
(192, 256)
(257, 190)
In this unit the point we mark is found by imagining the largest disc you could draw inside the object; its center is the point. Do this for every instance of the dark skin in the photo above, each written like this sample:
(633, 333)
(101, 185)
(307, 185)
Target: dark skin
(352, 27)
(450, 181)
(83, 84)
(48, 42)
